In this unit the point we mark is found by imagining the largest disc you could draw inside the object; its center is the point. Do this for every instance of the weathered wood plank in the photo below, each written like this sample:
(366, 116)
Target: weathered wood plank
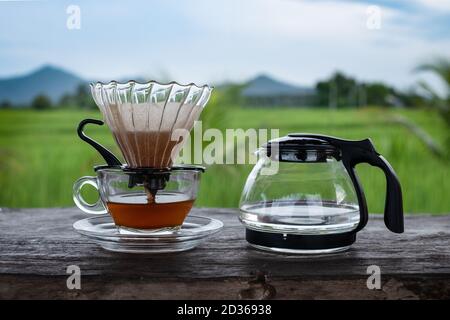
(109, 287)
(36, 246)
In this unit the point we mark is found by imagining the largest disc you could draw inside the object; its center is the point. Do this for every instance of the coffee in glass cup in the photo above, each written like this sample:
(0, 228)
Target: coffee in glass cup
(142, 200)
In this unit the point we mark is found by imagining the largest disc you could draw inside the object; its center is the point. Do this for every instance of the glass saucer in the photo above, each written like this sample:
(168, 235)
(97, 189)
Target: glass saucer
(102, 230)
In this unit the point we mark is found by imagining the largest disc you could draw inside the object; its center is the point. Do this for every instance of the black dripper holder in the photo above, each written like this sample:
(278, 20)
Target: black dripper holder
(152, 179)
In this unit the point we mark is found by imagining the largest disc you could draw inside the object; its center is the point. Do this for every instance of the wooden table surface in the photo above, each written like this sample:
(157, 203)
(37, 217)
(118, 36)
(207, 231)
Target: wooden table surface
(37, 245)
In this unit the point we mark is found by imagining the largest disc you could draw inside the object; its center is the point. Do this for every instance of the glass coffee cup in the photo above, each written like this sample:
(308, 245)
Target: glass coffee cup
(144, 200)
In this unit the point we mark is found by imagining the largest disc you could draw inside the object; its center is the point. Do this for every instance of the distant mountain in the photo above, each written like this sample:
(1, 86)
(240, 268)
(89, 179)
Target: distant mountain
(265, 86)
(266, 91)
(49, 80)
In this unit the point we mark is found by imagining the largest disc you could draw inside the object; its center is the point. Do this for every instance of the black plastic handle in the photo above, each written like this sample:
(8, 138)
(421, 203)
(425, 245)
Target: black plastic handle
(393, 217)
(109, 157)
(355, 152)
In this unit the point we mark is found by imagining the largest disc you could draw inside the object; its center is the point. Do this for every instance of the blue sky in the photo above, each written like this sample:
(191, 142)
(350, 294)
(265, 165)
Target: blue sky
(213, 41)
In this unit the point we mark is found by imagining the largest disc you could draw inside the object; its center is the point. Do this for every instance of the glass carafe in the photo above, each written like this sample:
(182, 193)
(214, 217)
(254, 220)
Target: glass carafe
(316, 198)
(303, 195)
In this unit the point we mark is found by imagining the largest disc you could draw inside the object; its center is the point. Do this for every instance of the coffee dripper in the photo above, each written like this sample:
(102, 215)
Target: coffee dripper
(149, 122)
(311, 201)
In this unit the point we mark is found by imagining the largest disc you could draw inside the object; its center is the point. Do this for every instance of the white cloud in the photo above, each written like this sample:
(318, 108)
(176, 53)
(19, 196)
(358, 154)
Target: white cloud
(439, 5)
(282, 18)
(302, 41)
(204, 41)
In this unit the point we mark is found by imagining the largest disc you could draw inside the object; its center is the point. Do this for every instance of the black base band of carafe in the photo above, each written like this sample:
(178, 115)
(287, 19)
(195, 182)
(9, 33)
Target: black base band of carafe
(300, 242)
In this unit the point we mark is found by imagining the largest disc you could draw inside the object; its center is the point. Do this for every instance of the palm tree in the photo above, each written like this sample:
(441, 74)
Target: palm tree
(441, 68)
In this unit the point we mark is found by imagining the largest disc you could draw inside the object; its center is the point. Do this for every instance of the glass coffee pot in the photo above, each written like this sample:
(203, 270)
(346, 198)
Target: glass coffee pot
(304, 196)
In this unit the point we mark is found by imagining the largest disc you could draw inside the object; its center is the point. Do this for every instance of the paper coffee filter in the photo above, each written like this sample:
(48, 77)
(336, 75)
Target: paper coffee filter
(150, 121)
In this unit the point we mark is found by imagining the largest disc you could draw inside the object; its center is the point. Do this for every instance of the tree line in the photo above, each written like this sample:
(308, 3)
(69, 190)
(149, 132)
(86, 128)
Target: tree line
(337, 91)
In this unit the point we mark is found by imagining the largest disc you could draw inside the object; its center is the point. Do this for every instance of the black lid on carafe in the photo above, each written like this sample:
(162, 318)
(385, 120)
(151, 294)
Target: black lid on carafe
(301, 148)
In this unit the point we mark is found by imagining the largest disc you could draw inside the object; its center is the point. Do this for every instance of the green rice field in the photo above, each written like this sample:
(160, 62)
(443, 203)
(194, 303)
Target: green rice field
(41, 155)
